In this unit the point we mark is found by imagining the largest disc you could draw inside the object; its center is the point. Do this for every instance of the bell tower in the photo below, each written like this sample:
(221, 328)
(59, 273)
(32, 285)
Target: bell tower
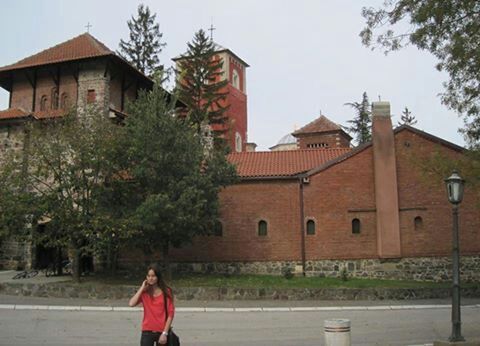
(234, 71)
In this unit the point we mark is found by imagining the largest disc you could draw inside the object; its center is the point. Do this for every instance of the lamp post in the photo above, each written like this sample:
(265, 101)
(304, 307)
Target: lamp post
(454, 185)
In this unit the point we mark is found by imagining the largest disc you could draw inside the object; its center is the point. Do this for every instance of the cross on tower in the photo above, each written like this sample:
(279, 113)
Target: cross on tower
(211, 31)
(88, 26)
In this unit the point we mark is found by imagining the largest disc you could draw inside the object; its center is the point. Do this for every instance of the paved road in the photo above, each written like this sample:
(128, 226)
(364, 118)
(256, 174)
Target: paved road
(369, 327)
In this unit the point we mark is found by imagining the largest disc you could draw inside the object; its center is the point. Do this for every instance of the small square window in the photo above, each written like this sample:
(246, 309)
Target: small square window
(91, 96)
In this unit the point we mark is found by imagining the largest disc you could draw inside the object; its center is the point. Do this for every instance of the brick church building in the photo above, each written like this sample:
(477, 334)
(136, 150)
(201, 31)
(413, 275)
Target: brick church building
(314, 204)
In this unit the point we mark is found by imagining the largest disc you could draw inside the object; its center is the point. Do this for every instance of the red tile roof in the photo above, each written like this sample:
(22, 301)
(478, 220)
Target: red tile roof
(321, 124)
(16, 113)
(80, 47)
(282, 163)
(13, 113)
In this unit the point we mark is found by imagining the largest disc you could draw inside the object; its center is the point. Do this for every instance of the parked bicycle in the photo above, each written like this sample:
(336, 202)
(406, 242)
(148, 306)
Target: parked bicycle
(66, 266)
(26, 274)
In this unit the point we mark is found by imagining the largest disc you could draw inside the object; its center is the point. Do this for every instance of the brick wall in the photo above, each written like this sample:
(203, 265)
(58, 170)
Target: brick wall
(332, 140)
(335, 197)
(332, 199)
(424, 196)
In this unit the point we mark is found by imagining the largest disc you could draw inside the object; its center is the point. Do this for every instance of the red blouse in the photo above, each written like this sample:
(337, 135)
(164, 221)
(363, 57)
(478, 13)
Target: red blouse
(154, 312)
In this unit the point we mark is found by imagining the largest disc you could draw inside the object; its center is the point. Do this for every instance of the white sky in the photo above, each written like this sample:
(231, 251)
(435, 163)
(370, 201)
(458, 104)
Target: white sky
(304, 55)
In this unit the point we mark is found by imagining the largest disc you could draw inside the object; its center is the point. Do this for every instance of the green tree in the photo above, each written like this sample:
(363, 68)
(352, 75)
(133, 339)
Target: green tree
(64, 184)
(145, 42)
(361, 126)
(407, 118)
(200, 88)
(178, 186)
(450, 30)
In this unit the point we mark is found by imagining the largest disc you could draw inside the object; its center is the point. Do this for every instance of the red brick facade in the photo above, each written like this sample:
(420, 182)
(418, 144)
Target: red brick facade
(332, 198)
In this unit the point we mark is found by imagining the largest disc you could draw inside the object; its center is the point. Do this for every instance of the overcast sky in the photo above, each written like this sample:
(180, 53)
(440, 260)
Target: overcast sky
(305, 56)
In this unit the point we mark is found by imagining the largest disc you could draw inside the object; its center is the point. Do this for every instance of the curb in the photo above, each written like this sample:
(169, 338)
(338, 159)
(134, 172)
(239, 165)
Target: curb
(252, 309)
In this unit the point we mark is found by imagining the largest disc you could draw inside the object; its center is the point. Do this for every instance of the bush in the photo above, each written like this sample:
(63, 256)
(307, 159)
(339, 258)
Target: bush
(344, 274)
(287, 273)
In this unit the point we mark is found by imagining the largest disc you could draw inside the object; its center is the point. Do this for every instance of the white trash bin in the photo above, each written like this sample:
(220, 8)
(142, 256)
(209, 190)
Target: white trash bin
(337, 332)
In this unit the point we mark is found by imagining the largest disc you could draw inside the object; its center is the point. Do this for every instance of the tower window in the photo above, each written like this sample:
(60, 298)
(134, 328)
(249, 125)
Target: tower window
(43, 103)
(238, 142)
(310, 227)
(356, 226)
(262, 228)
(91, 96)
(235, 79)
(418, 222)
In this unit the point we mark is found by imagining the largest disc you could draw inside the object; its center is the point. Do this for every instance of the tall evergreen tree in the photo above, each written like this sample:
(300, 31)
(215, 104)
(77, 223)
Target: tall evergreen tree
(407, 118)
(200, 88)
(361, 126)
(178, 186)
(145, 42)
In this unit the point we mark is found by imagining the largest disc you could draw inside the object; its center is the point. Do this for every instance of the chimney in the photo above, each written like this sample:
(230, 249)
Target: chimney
(386, 190)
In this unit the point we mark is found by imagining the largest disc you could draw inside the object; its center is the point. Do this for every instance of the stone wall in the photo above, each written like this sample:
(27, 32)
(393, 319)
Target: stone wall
(419, 269)
(97, 291)
(15, 255)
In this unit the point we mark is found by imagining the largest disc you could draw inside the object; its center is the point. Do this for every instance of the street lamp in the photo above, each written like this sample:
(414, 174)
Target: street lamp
(454, 185)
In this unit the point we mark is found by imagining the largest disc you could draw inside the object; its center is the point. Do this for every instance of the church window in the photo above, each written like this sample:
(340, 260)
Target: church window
(235, 79)
(91, 96)
(418, 222)
(310, 227)
(43, 103)
(54, 98)
(64, 101)
(262, 228)
(238, 142)
(356, 226)
(218, 229)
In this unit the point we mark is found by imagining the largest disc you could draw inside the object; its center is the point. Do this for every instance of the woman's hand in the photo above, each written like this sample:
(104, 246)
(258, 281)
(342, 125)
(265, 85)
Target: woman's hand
(144, 286)
(163, 339)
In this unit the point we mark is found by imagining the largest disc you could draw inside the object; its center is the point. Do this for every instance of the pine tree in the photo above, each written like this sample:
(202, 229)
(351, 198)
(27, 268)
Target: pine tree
(177, 185)
(362, 123)
(407, 118)
(200, 88)
(145, 42)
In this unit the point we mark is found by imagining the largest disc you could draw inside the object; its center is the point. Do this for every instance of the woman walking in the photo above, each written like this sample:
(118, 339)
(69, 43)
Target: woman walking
(157, 300)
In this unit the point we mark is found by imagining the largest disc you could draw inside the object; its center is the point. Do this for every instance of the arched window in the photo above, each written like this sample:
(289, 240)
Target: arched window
(235, 79)
(310, 227)
(238, 142)
(64, 101)
(262, 228)
(43, 103)
(54, 98)
(418, 222)
(356, 226)
(218, 229)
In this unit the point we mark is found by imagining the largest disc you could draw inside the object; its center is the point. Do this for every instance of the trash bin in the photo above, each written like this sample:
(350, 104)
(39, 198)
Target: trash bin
(337, 332)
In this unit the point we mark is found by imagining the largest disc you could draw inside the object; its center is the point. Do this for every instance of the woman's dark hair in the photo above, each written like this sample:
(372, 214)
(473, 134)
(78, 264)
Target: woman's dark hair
(161, 283)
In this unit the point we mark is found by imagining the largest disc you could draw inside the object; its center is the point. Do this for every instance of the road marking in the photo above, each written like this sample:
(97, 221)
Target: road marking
(221, 309)
(7, 306)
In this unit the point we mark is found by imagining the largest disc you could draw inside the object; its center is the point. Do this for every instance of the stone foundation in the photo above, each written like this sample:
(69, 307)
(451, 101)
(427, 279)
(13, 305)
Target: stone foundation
(437, 269)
